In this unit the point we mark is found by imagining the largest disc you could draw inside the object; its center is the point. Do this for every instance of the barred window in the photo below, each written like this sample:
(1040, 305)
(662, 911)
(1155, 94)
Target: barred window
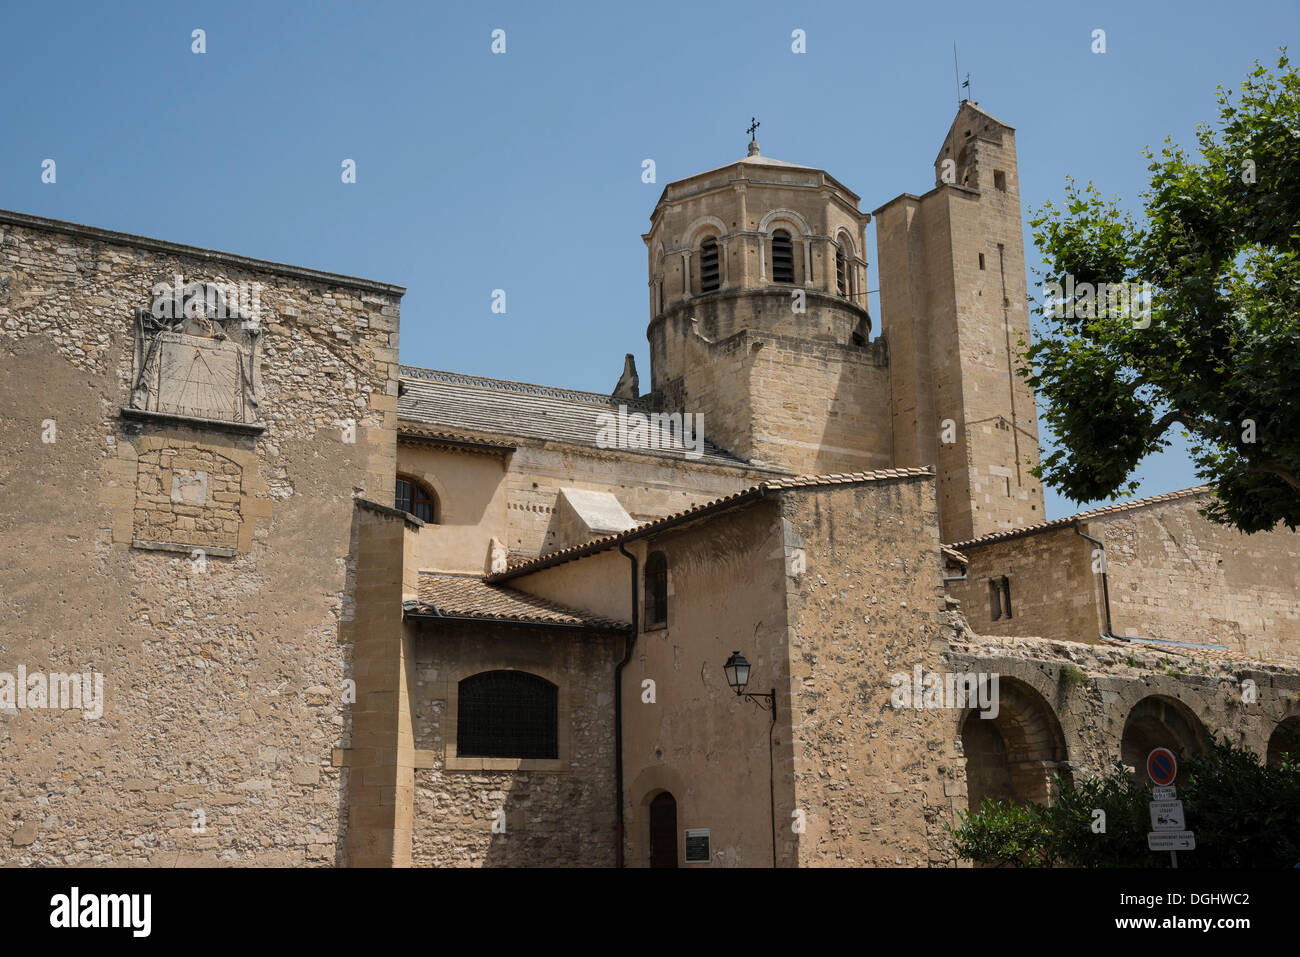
(709, 266)
(841, 272)
(656, 589)
(415, 498)
(507, 714)
(782, 257)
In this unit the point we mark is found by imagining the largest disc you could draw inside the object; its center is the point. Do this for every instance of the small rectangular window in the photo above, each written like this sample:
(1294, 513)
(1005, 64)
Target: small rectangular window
(1000, 180)
(995, 601)
(981, 260)
(1006, 597)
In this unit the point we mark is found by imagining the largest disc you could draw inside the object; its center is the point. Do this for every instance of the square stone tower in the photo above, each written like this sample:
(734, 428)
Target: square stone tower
(955, 315)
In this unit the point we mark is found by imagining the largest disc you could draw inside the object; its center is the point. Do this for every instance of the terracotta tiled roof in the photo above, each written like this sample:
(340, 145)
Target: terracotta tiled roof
(500, 407)
(461, 596)
(423, 434)
(954, 555)
(727, 501)
(1083, 516)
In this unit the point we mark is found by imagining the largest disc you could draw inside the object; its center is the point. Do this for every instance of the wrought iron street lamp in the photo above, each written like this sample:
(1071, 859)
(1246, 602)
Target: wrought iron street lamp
(737, 671)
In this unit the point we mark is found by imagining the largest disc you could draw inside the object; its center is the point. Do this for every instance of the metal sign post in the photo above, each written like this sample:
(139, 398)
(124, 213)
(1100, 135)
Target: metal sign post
(1168, 826)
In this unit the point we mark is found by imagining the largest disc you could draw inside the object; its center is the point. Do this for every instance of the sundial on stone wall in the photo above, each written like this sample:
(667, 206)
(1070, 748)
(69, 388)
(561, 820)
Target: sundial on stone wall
(196, 356)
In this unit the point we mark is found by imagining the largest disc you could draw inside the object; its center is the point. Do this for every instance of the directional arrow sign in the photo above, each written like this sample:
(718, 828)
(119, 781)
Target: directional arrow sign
(1167, 816)
(1171, 841)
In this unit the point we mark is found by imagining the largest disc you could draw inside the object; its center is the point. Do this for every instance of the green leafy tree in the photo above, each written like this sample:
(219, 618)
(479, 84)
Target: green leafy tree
(1216, 346)
(1005, 834)
(1247, 814)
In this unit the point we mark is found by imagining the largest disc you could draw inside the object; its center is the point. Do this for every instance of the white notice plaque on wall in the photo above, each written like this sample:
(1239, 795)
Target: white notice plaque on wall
(697, 845)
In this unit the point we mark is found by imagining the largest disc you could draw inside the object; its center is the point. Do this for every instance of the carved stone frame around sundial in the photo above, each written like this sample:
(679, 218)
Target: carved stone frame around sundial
(197, 360)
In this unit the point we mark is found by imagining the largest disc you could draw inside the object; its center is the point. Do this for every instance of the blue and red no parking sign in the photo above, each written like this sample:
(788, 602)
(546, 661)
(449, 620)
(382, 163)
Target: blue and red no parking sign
(1162, 766)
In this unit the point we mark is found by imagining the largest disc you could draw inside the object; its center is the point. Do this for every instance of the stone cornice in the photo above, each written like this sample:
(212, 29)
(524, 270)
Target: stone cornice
(11, 218)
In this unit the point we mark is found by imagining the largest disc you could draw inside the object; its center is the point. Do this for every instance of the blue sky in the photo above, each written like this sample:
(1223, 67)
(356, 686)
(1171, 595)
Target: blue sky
(522, 171)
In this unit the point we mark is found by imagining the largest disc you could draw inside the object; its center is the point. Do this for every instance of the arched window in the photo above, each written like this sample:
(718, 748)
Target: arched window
(709, 280)
(418, 499)
(841, 272)
(782, 257)
(507, 714)
(656, 590)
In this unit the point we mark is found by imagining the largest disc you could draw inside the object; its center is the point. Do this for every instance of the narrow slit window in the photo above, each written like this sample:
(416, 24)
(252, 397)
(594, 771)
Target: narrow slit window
(782, 257)
(709, 281)
(656, 590)
(841, 272)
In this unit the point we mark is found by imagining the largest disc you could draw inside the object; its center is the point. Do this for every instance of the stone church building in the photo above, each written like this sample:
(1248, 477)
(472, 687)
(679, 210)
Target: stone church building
(268, 597)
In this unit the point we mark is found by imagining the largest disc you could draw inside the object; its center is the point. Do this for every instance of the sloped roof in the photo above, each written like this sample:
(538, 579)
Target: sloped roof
(1104, 512)
(754, 159)
(524, 410)
(697, 511)
(462, 596)
(432, 436)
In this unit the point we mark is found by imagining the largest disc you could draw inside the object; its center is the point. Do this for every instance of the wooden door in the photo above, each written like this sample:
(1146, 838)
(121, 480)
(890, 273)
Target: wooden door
(663, 831)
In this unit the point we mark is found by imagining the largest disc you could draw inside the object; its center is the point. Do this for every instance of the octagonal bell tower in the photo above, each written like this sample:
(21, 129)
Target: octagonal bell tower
(758, 316)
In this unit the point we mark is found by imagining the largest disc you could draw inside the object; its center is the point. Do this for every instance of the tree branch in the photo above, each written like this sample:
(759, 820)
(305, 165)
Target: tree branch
(1274, 468)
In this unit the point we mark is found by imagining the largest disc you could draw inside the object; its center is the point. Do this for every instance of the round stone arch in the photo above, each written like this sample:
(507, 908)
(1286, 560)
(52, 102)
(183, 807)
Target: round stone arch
(657, 280)
(784, 217)
(695, 234)
(696, 231)
(1285, 739)
(1161, 721)
(772, 221)
(640, 794)
(844, 242)
(1011, 757)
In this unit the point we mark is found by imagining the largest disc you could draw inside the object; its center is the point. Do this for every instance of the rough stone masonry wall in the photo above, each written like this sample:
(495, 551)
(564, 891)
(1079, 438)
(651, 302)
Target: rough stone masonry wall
(1092, 689)
(1171, 575)
(1054, 592)
(1176, 576)
(876, 783)
(559, 817)
(163, 513)
(222, 678)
